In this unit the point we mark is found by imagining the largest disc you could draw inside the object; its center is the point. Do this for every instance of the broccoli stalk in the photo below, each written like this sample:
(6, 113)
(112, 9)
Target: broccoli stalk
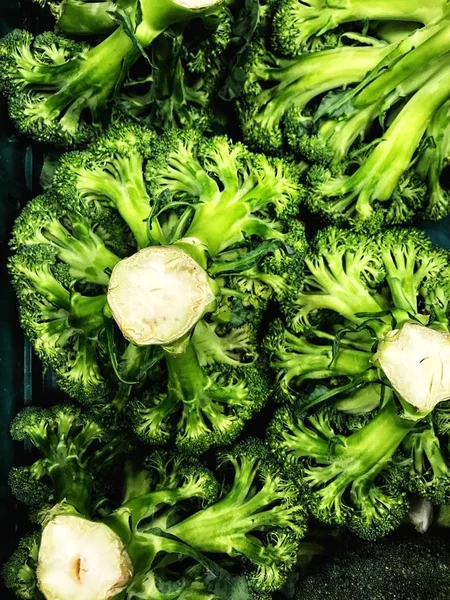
(83, 17)
(296, 24)
(53, 83)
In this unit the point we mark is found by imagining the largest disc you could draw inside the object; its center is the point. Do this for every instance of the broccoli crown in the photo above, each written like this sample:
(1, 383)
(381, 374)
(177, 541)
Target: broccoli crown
(259, 516)
(349, 476)
(406, 564)
(73, 448)
(231, 211)
(19, 573)
(59, 91)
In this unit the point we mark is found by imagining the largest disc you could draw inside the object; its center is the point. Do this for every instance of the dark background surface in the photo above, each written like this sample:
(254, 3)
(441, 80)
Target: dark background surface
(21, 378)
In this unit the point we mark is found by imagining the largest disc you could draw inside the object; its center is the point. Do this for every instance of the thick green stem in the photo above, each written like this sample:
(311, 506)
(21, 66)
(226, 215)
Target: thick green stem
(91, 81)
(72, 484)
(366, 452)
(380, 174)
(78, 17)
(87, 313)
(187, 380)
(382, 10)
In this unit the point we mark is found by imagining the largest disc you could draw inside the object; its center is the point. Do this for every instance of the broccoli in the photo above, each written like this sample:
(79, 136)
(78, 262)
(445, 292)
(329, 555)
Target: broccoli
(259, 500)
(433, 163)
(74, 449)
(186, 69)
(377, 288)
(213, 224)
(430, 468)
(152, 537)
(348, 475)
(345, 184)
(275, 108)
(297, 24)
(19, 573)
(59, 90)
(406, 565)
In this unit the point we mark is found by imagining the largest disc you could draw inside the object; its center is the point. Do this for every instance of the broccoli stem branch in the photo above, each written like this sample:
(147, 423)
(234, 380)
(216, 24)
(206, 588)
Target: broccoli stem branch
(419, 58)
(364, 454)
(380, 173)
(186, 377)
(302, 80)
(72, 483)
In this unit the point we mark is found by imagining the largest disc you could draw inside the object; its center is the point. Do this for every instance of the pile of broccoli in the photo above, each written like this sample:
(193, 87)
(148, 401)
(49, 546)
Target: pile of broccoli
(252, 339)
(142, 537)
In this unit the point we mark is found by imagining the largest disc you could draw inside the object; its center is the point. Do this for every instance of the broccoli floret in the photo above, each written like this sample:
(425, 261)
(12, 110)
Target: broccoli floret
(203, 407)
(62, 324)
(275, 108)
(355, 275)
(59, 91)
(109, 175)
(343, 271)
(406, 564)
(71, 457)
(296, 25)
(19, 573)
(430, 469)
(252, 194)
(259, 500)
(346, 474)
(47, 222)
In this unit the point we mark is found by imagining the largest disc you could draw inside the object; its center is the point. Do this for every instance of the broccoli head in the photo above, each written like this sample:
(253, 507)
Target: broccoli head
(59, 91)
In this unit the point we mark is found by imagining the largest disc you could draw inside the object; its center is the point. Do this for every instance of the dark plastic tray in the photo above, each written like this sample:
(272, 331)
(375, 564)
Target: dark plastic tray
(22, 379)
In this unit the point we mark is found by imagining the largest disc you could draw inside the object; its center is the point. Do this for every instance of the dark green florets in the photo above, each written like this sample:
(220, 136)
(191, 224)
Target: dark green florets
(19, 573)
